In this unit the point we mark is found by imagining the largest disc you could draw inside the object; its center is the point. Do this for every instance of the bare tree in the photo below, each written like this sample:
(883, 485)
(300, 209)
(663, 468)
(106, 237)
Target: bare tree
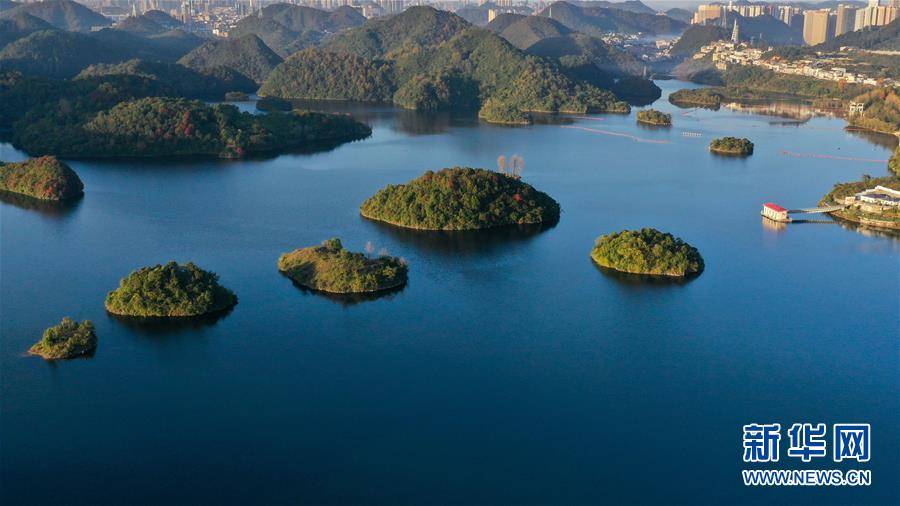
(370, 248)
(517, 164)
(501, 164)
(383, 252)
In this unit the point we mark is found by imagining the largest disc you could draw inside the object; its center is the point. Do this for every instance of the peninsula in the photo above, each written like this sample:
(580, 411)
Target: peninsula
(461, 198)
(331, 268)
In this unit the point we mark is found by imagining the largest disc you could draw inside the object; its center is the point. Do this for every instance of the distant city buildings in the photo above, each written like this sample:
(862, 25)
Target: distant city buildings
(819, 25)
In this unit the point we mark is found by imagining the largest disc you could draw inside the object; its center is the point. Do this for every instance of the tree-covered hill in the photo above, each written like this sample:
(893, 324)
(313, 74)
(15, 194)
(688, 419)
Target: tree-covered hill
(429, 59)
(139, 25)
(697, 36)
(287, 28)
(248, 55)
(210, 84)
(327, 75)
(60, 54)
(502, 21)
(178, 127)
(63, 14)
(627, 5)
(597, 21)
(678, 14)
(162, 19)
(44, 178)
(532, 29)
(884, 38)
(20, 25)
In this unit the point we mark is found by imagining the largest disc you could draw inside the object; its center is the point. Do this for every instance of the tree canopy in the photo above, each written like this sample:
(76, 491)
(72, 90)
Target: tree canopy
(647, 251)
(169, 290)
(331, 268)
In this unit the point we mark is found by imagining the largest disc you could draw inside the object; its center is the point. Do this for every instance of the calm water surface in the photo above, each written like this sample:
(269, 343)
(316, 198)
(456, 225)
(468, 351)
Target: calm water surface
(510, 369)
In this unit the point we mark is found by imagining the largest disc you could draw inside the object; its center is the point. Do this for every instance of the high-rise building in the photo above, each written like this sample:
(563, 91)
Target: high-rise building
(875, 16)
(844, 19)
(736, 33)
(706, 12)
(818, 26)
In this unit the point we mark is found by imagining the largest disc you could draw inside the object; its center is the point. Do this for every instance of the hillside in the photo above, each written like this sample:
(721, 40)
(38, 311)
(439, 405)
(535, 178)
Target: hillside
(627, 5)
(160, 127)
(696, 37)
(139, 25)
(429, 59)
(683, 15)
(525, 32)
(20, 25)
(63, 14)
(885, 38)
(183, 81)
(60, 54)
(502, 21)
(597, 21)
(287, 28)
(248, 55)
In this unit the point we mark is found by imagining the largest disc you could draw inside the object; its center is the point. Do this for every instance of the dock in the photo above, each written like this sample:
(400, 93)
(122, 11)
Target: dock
(780, 214)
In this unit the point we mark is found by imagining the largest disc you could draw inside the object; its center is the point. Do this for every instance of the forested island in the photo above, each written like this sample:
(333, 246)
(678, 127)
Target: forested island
(654, 117)
(454, 66)
(68, 339)
(331, 268)
(702, 97)
(161, 127)
(731, 146)
(170, 290)
(647, 251)
(461, 199)
(44, 178)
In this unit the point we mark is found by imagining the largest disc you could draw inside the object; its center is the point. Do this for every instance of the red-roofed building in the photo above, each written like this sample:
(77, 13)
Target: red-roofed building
(775, 212)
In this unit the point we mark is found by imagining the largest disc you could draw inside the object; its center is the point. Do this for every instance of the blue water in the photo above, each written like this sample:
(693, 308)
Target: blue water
(509, 370)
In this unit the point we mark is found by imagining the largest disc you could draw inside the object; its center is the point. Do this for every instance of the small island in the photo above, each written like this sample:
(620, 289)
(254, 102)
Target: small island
(701, 97)
(647, 251)
(461, 199)
(731, 146)
(236, 96)
(44, 178)
(654, 117)
(331, 268)
(69, 339)
(169, 290)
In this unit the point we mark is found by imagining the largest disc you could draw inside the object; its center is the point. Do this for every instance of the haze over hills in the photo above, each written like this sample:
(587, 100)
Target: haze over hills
(20, 24)
(523, 31)
(683, 15)
(149, 23)
(63, 14)
(627, 5)
(598, 21)
(248, 55)
(287, 28)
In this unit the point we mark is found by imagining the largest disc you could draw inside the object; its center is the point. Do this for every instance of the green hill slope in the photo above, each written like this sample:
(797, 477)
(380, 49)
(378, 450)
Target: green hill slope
(63, 14)
(248, 55)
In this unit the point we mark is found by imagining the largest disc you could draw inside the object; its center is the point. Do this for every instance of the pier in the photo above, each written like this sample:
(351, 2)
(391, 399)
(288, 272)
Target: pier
(777, 213)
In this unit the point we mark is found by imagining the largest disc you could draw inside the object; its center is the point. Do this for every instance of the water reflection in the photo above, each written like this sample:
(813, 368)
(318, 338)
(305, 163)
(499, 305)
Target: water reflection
(348, 299)
(159, 326)
(879, 139)
(50, 208)
(629, 279)
(884, 233)
(455, 242)
(774, 226)
(799, 111)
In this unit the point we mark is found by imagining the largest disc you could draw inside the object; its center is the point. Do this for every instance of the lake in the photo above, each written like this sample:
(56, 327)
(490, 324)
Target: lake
(509, 370)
